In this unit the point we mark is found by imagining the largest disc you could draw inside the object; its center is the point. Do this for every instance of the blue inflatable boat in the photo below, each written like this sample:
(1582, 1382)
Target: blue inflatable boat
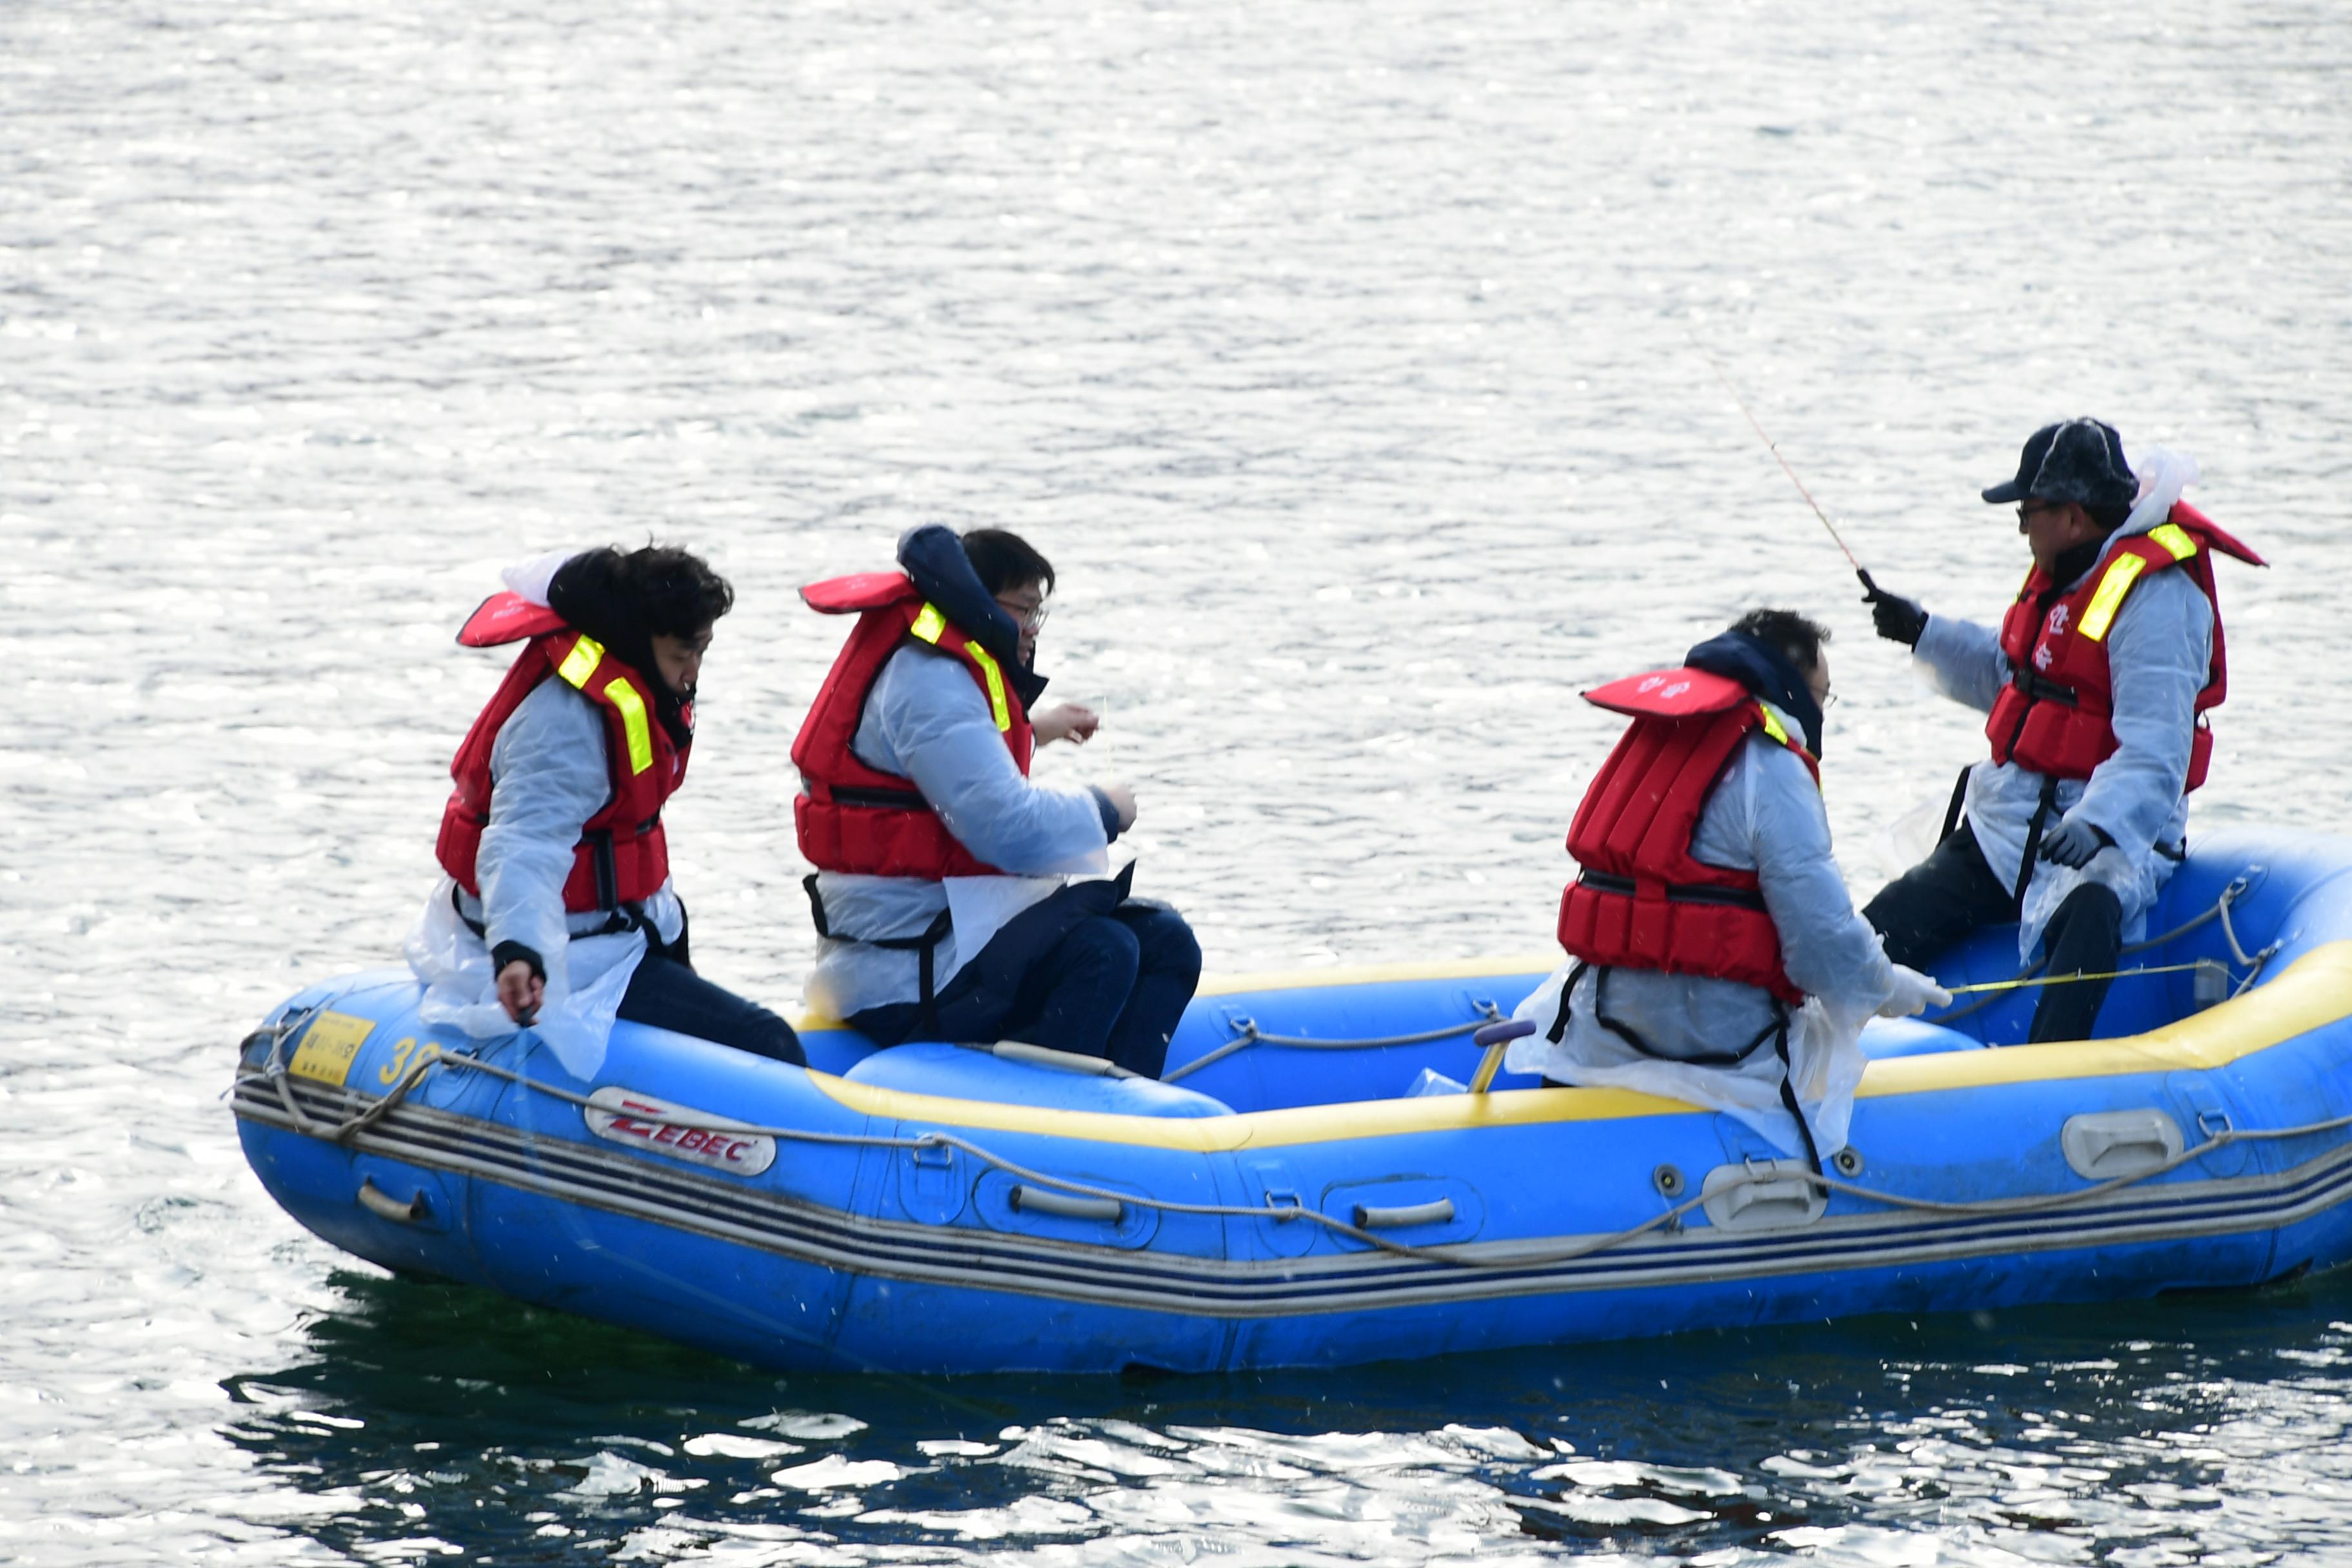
(1284, 1201)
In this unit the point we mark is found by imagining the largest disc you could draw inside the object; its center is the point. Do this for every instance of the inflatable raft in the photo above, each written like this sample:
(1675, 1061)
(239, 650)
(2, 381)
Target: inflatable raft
(1282, 1201)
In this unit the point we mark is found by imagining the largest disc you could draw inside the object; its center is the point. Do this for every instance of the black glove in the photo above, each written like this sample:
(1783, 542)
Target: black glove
(507, 952)
(1897, 620)
(2074, 844)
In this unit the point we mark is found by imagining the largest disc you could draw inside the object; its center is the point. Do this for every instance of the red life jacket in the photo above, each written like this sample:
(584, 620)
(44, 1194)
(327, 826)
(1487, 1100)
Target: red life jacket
(623, 856)
(851, 817)
(2054, 715)
(1641, 900)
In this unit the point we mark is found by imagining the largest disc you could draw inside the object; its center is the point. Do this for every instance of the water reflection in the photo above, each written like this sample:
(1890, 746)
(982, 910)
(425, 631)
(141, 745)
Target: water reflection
(1338, 357)
(431, 1417)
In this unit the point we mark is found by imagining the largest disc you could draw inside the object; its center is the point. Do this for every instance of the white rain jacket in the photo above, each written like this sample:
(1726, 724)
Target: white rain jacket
(2159, 650)
(550, 774)
(927, 720)
(1764, 814)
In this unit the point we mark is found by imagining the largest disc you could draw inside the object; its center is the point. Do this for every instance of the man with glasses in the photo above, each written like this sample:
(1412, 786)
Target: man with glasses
(2097, 683)
(955, 898)
(1714, 956)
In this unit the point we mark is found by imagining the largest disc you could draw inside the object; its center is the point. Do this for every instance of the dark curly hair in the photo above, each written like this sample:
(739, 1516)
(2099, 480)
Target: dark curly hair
(674, 589)
(1798, 639)
(1002, 558)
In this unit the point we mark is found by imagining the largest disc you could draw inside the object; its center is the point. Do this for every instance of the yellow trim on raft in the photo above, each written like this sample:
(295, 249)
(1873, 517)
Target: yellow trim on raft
(1258, 1129)
(1293, 979)
(2315, 990)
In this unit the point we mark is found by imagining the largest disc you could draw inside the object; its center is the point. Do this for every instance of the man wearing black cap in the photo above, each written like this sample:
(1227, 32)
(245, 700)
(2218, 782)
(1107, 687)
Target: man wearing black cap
(2096, 683)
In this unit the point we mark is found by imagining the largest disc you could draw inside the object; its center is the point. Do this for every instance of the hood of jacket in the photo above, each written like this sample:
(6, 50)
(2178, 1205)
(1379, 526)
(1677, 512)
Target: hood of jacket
(1766, 672)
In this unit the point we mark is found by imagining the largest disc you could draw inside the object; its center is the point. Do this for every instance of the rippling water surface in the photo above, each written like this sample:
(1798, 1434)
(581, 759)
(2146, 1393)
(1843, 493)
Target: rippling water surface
(1341, 356)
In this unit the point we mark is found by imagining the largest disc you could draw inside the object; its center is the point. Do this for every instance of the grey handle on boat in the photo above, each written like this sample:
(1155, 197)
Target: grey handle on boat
(384, 1206)
(1437, 1211)
(1065, 1205)
(1061, 1061)
(2103, 1144)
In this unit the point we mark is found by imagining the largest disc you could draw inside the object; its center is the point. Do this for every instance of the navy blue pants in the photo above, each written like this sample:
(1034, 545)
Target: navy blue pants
(669, 995)
(1953, 891)
(1111, 985)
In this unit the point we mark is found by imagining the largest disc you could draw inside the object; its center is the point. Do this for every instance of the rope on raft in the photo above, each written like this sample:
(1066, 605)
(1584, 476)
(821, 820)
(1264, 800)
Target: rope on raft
(274, 1072)
(2251, 962)
(1249, 1034)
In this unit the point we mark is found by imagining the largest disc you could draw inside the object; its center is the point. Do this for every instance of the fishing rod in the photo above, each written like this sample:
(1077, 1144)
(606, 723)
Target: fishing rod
(1774, 448)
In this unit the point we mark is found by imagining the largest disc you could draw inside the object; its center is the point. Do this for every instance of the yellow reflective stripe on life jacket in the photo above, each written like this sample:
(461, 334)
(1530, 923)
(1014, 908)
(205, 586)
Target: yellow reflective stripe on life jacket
(2175, 538)
(582, 661)
(930, 626)
(998, 708)
(2122, 572)
(623, 697)
(1778, 731)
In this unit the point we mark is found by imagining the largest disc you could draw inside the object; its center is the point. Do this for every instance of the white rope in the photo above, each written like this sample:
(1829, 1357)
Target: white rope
(1250, 1034)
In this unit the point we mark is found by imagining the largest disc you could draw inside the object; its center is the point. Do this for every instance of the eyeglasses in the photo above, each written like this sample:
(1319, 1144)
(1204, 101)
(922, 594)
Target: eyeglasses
(1031, 618)
(2025, 512)
(1829, 700)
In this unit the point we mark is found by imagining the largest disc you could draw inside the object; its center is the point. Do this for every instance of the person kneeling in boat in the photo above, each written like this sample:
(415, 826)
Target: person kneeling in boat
(944, 895)
(1714, 956)
(556, 908)
(2097, 683)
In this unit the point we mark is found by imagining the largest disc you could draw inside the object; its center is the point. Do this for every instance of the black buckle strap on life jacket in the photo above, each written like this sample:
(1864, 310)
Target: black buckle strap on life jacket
(1633, 1037)
(599, 845)
(1559, 1019)
(1952, 807)
(622, 918)
(2040, 688)
(1776, 1032)
(925, 946)
(1676, 893)
(880, 799)
(2033, 836)
(1788, 1094)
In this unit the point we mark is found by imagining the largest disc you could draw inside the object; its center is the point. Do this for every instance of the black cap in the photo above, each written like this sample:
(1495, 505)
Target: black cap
(2080, 461)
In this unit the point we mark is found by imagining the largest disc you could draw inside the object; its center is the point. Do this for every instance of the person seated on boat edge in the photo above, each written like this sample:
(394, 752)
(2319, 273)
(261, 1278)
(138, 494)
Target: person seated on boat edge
(2096, 684)
(954, 896)
(556, 908)
(1713, 953)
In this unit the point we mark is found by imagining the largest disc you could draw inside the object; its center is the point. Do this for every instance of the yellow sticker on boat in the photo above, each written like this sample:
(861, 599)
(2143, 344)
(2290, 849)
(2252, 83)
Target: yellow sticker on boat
(330, 1044)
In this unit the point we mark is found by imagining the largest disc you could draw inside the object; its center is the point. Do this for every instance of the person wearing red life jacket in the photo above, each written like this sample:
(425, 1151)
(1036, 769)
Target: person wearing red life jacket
(1712, 954)
(556, 909)
(2095, 685)
(954, 896)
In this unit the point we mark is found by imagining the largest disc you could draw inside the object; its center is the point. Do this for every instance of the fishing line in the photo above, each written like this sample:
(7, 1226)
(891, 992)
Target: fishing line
(1774, 448)
(2075, 979)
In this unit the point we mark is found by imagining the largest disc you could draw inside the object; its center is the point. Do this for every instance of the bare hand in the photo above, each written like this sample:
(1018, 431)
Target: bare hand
(1122, 801)
(520, 992)
(1065, 722)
